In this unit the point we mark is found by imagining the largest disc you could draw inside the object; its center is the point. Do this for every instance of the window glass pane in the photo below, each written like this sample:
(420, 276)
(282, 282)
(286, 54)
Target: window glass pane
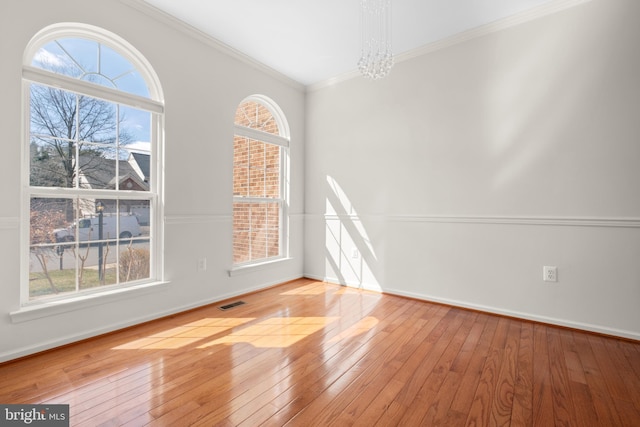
(53, 112)
(256, 168)
(254, 115)
(129, 228)
(240, 166)
(273, 229)
(256, 231)
(90, 61)
(46, 216)
(97, 168)
(272, 171)
(135, 129)
(259, 233)
(97, 120)
(241, 242)
(97, 265)
(50, 163)
(134, 261)
(77, 243)
(52, 270)
(134, 171)
(264, 170)
(52, 57)
(142, 210)
(49, 272)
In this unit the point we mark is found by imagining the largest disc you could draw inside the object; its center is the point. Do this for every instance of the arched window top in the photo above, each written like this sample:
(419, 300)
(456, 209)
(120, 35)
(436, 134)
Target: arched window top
(262, 114)
(93, 55)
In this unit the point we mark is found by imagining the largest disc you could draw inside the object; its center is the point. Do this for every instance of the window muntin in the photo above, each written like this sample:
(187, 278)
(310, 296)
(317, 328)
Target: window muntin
(91, 61)
(93, 190)
(254, 115)
(259, 184)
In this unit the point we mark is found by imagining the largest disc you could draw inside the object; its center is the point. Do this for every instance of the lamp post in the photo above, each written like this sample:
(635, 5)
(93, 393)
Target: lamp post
(100, 210)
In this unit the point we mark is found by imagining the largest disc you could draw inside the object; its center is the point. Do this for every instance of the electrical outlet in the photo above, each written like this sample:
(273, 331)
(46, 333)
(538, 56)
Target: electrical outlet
(550, 273)
(202, 264)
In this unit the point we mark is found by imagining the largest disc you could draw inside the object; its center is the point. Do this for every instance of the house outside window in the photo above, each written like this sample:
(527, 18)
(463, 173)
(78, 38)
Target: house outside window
(94, 112)
(260, 182)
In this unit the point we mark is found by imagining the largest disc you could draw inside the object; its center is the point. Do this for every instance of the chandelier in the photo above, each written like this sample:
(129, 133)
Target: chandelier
(376, 58)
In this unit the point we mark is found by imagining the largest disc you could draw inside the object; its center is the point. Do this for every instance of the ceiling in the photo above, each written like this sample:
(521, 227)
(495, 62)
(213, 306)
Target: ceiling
(313, 41)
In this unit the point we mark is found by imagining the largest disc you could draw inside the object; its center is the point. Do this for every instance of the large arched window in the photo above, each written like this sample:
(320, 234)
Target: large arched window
(94, 110)
(260, 187)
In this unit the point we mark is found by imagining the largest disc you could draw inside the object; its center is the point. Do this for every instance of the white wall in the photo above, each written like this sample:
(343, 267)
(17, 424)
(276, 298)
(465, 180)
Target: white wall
(468, 169)
(203, 87)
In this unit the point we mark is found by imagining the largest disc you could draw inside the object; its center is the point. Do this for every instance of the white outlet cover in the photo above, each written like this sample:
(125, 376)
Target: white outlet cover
(550, 274)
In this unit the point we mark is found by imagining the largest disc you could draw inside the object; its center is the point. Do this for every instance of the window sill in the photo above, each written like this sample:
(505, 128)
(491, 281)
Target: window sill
(51, 308)
(248, 268)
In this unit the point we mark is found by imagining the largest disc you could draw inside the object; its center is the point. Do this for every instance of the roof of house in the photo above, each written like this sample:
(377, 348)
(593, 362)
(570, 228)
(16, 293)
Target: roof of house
(100, 173)
(143, 161)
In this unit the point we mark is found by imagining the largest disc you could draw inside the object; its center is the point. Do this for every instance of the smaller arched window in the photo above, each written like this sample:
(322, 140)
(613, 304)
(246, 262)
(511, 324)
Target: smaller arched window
(94, 114)
(260, 185)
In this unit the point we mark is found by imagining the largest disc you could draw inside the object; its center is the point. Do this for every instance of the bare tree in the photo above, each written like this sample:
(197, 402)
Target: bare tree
(71, 134)
(43, 221)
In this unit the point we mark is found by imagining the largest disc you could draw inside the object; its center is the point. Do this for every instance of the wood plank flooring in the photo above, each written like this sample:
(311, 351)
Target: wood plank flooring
(307, 353)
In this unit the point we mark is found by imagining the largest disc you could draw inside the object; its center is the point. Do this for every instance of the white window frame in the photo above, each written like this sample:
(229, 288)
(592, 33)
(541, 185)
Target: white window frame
(154, 104)
(283, 140)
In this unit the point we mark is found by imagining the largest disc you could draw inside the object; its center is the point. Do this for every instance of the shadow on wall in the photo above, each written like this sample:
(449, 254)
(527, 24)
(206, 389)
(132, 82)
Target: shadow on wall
(350, 258)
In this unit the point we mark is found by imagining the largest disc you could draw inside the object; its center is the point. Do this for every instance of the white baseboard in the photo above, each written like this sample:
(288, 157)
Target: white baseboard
(488, 309)
(520, 315)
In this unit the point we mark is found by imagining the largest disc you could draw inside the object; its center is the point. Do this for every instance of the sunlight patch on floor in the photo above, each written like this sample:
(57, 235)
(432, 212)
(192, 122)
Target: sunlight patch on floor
(276, 332)
(183, 335)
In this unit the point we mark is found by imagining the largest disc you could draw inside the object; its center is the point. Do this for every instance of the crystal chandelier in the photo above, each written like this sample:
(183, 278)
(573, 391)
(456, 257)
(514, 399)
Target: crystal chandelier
(376, 58)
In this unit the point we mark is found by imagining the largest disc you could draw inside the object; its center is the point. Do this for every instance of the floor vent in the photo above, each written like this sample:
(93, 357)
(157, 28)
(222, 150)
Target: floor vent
(233, 304)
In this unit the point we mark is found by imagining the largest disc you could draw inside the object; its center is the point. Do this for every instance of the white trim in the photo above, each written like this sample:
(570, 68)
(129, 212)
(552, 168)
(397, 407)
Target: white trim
(256, 266)
(88, 193)
(190, 31)
(257, 200)
(40, 76)
(518, 220)
(261, 136)
(520, 315)
(37, 310)
(474, 33)
(624, 222)
(178, 219)
(485, 309)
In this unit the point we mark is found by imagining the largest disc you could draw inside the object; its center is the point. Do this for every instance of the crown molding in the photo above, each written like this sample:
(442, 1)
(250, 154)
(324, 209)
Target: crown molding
(196, 34)
(474, 33)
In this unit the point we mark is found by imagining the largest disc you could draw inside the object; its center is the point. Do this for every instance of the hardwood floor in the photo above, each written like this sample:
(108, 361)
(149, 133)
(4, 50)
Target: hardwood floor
(308, 353)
